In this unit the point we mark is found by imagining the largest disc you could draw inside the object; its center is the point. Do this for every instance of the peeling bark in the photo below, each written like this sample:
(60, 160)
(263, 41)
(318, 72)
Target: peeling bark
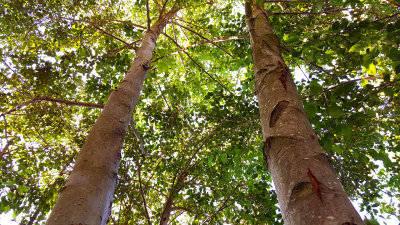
(291, 149)
(88, 193)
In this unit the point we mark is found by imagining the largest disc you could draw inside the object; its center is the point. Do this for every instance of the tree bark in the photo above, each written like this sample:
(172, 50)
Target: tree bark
(87, 196)
(307, 187)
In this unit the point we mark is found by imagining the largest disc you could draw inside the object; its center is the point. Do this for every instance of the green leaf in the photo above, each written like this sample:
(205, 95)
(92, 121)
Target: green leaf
(311, 109)
(315, 87)
(210, 161)
(335, 111)
(371, 70)
(364, 82)
(356, 48)
(22, 189)
(291, 40)
(223, 158)
(394, 54)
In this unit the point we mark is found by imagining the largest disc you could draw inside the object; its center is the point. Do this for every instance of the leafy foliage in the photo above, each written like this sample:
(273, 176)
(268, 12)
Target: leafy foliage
(197, 115)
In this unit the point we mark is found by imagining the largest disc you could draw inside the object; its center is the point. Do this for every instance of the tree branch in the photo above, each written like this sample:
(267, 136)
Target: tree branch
(355, 80)
(49, 99)
(393, 3)
(98, 28)
(308, 13)
(146, 212)
(163, 7)
(202, 43)
(198, 34)
(123, 21)
(162, 94)
(141, 143)
(148, 14)
(210, 218)
(320, 68)
(197, 64)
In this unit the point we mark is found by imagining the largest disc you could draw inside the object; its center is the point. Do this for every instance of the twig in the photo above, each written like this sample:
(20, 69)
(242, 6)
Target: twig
(166, 102)
(148, 14)
(5, 127)
(310, 63)
(4, 62)
(141, 143)
(349, 81)
(393, 3)
(197, 64)
(210, 218)
(141, 188)
(308, 13)
(96, 27)
(5, 149)
(198, 34)
(122, 21)
(163, 7)
(202, 43)
(49, 99)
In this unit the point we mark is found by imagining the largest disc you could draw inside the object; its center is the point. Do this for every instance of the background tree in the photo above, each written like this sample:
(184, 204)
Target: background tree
(183, 106)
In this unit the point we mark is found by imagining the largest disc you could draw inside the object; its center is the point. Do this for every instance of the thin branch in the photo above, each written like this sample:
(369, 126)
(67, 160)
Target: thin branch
(4, 62)
(5, 127)
(5, 149)
(210, 218)
(202, 43)
(320, 68)
(141, 142)
(49, 99)
(141, 189)
(393, 3)
(197, 64)
(308, 13)
(148, 15)
(112, 53)
(123, 21)
(350, 81)
(163, 7)
(181, 208)
(162, 94)
(158, 6)
(98, 28)
(198, 34)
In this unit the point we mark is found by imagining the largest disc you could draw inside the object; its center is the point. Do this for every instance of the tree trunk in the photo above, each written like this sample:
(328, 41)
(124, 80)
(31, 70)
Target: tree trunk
(307, 187)
(87, 196)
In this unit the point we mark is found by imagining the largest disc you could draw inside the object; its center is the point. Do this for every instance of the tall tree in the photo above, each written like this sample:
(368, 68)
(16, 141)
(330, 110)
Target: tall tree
(308, 189)
(87, 196)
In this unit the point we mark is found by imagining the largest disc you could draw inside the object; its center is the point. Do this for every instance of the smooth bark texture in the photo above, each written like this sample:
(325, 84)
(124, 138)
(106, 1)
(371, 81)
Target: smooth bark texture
(87, 196)
(307, 187)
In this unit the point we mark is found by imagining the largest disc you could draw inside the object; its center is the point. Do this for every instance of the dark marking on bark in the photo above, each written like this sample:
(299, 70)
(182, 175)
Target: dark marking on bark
(265, 150)
(301, 189)
(268, 46)
(283, 80)
(120, 131)
(350, 223)
(277, 112)
(285, 73)
(146, 65)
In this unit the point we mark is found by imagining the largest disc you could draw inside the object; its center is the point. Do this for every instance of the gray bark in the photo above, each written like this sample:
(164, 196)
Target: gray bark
(308, 189)
(87, 196)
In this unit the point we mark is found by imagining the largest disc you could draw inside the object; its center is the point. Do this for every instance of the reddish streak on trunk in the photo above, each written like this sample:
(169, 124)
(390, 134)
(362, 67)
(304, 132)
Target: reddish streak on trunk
(315, 184)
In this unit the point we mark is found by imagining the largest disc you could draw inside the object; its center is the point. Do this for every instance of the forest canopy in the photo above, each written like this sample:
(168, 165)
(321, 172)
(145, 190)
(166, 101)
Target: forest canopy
(195, 146)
